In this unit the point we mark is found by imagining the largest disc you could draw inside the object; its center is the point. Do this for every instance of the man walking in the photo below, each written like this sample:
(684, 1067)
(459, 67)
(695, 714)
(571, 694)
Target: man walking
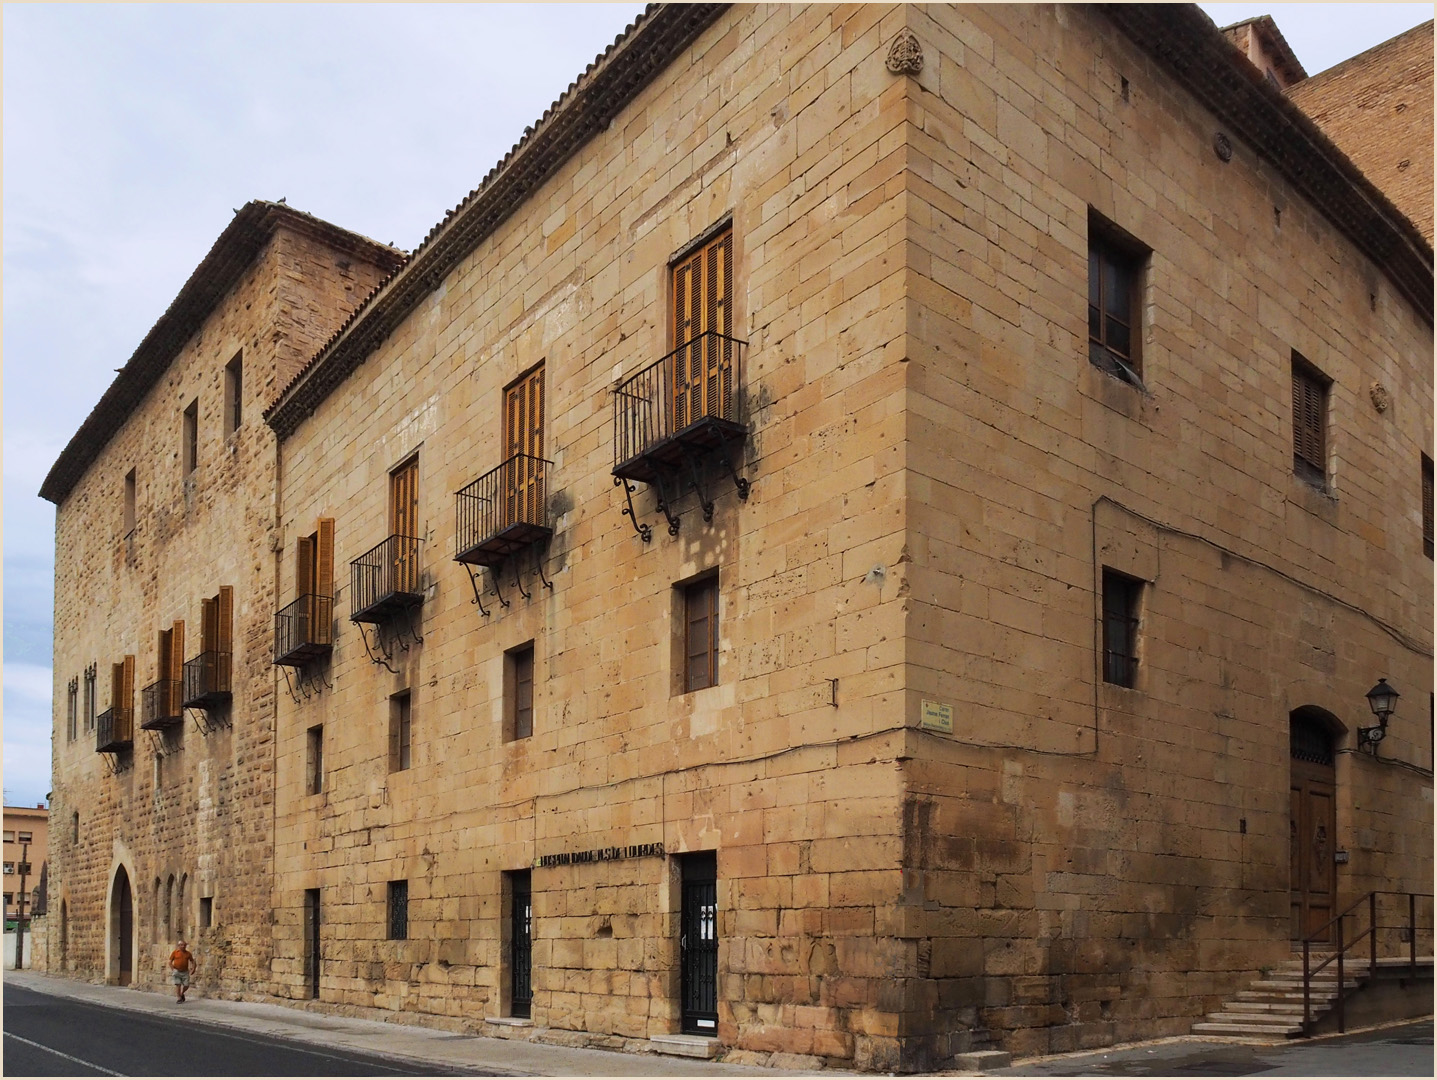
(182, 964)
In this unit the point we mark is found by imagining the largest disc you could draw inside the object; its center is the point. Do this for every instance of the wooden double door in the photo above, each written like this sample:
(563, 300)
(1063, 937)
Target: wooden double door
(1313, 831)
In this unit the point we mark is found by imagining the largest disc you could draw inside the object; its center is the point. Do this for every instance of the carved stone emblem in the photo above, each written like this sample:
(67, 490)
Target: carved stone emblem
(1381, 397)
(905, 55)
(1222, 146)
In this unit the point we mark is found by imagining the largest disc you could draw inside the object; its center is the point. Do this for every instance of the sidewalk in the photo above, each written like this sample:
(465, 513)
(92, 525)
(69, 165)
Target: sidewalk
(445, 1049)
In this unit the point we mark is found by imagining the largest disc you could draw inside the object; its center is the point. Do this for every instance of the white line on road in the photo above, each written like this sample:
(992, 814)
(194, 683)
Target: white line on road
(58, 1053)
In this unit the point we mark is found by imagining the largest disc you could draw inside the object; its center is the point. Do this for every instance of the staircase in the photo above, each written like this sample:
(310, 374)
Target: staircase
(1271, 1008)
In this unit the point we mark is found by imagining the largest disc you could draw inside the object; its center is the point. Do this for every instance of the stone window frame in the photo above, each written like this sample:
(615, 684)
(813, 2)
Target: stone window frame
(1122, 626)
(396, 911)
(1117, 268)
(699, 660)
(401, 730)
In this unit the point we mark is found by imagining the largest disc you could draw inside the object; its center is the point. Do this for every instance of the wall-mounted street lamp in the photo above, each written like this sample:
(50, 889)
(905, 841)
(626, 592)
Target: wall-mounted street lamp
(1383, 700)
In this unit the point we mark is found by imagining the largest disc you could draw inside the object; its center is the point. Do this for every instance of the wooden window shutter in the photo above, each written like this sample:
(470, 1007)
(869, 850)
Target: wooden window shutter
(304, 566)
(224, 609)
(176, 674)
(1427, 506)
(524, 434)
(404, 499)
(117, 689)
(209, 628)
(703, 307)
(125, 709)
(324, 558)
(164, 654)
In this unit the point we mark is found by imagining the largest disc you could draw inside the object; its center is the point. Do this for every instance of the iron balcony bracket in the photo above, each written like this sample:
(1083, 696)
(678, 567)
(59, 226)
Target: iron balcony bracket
(494, 576)
(201, 721)
(413, 629)
(739, 482)
(641, 527)
(383, 659)
(519, 582)
(696, 482)
(474, 578)
(539, 568)
(664, 501)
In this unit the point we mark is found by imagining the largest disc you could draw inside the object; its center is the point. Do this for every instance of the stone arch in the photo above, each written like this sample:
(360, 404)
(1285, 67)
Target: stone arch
(120, 939)
(170, 909)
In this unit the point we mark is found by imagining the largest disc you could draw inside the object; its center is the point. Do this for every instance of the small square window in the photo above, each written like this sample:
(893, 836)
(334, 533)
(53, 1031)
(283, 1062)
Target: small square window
(9, 868)
(701, 634)
(398, 910)
(1121, 598)
(25, 838)
(1115, 278)
(519, 692)
(1309, 422)
(190, 448)
(314, 760)
(399, 731)
(9, 836)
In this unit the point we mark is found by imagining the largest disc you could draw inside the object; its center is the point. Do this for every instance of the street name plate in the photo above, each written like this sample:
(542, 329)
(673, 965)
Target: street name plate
(937, 716)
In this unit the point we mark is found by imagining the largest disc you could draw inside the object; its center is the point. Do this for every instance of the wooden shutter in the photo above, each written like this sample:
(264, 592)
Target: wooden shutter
(1308, 408)
(404, 499)
(176, 674)
(322, 572)
(209, 629)
(125, 711)
(304, 583)
(224, 613)
(703, 305)
(524, 435)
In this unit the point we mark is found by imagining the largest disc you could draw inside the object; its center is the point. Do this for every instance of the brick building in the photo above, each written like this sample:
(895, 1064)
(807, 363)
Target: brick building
(717, 588)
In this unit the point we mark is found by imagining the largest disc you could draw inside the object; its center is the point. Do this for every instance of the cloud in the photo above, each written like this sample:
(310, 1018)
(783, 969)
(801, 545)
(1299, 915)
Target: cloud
(27, 733)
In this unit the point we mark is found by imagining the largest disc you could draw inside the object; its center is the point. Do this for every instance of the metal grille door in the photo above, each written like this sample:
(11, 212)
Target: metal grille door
(521, 940)
(698, 944)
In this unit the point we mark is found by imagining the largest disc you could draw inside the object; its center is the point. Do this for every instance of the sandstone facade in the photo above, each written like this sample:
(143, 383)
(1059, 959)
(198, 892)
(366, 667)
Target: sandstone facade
(934, 824)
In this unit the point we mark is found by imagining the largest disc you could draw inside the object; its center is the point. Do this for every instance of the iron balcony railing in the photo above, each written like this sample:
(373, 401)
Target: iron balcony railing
(304, 630)
(160, 705)
(503, 511)
(689, 396)
(114, 730)
(207, 679)
(385, 579)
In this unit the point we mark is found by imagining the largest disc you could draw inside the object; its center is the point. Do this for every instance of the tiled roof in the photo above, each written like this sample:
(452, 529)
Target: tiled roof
(656, 38)
(242, 240)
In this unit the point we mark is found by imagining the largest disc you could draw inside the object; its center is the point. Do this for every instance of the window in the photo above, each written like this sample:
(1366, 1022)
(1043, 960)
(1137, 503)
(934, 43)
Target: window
(702, 287)
(75, 827)
(1121, 596)
(521, 942)
(207, 912)
(1427, 506)
(72, 708)
(24, 868)
(190, 450)
(314, 760)
(9, 900)
(129, 502)
(170, 907)
(1309, 422)
(398, 910)
(399, 732)
(25, 838)
(9, 868)
(90, 674)
(9, 836)
(234, 396)
(519, 692)
(1115, 271)
(701, 634)
(404, 522)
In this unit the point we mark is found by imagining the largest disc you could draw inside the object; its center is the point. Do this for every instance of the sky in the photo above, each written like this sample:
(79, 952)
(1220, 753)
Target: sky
(131, 133)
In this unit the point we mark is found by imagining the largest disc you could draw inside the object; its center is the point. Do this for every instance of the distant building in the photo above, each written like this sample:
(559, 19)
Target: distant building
(865, 537)
(27, 831)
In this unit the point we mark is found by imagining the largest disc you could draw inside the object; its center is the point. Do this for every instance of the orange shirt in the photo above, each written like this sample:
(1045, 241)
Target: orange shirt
(181, 959)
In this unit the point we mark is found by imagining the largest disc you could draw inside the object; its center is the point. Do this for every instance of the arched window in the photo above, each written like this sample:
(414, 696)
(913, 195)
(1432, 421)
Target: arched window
(181, 923)
(155, 911)
(170, 908)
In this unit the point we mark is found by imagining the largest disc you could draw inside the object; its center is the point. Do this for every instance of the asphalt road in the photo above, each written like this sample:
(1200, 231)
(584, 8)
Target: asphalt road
(55, 1036)
(1403, 1050)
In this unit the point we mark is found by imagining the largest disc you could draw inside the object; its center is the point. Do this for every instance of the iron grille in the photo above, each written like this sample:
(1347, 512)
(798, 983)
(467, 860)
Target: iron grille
(385, 579)
(503, 511)
(303, 630)
(1310, 741)
(114, 730)
(398, 910)
(698, 945)
(160, 704)
(694, 384)
(521, 958)
(207, 679)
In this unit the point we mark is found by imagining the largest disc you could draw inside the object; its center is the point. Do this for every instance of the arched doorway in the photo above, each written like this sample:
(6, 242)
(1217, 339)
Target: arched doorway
(64, 935)
(122, 928)
(1313, 820)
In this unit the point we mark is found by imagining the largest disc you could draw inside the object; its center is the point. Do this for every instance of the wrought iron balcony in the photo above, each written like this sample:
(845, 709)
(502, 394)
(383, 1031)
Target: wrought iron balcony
(685, 402)
(385, 580)
(502, 512)
(304, 630)
(114, 730)
(207, 680)
(160, 705)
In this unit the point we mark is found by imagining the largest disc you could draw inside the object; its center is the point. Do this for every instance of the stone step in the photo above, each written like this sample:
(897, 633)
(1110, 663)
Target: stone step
(1232, 1028)
(1276, 1008)
(1290, 987)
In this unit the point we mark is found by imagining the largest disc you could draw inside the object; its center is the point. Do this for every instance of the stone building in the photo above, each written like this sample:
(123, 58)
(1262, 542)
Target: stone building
(163, 752)
(720, 594)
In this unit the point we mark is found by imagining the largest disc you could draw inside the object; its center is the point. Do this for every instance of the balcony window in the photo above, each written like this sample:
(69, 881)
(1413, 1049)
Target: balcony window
(161, 701)
(304, 628)
(386, 579)
(115, 727)
(207, 676)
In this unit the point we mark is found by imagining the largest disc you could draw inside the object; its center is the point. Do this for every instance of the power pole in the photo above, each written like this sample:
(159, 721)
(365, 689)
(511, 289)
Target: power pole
(20, 910)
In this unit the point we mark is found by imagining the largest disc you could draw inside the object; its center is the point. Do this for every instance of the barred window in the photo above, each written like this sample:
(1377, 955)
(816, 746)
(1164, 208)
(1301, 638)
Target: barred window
(398, 910)
(1121, 597)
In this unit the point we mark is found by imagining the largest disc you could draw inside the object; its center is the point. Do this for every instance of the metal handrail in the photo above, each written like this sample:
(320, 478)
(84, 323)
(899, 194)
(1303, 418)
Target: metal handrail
(114, 725)
(389, 568)
(670, 394)
(1308, 971)
(308, 621)
(160, 703)
(512, 493)
(205, 675)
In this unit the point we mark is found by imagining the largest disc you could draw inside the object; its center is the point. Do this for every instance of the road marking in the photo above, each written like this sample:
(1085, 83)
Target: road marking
(58, 1053)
